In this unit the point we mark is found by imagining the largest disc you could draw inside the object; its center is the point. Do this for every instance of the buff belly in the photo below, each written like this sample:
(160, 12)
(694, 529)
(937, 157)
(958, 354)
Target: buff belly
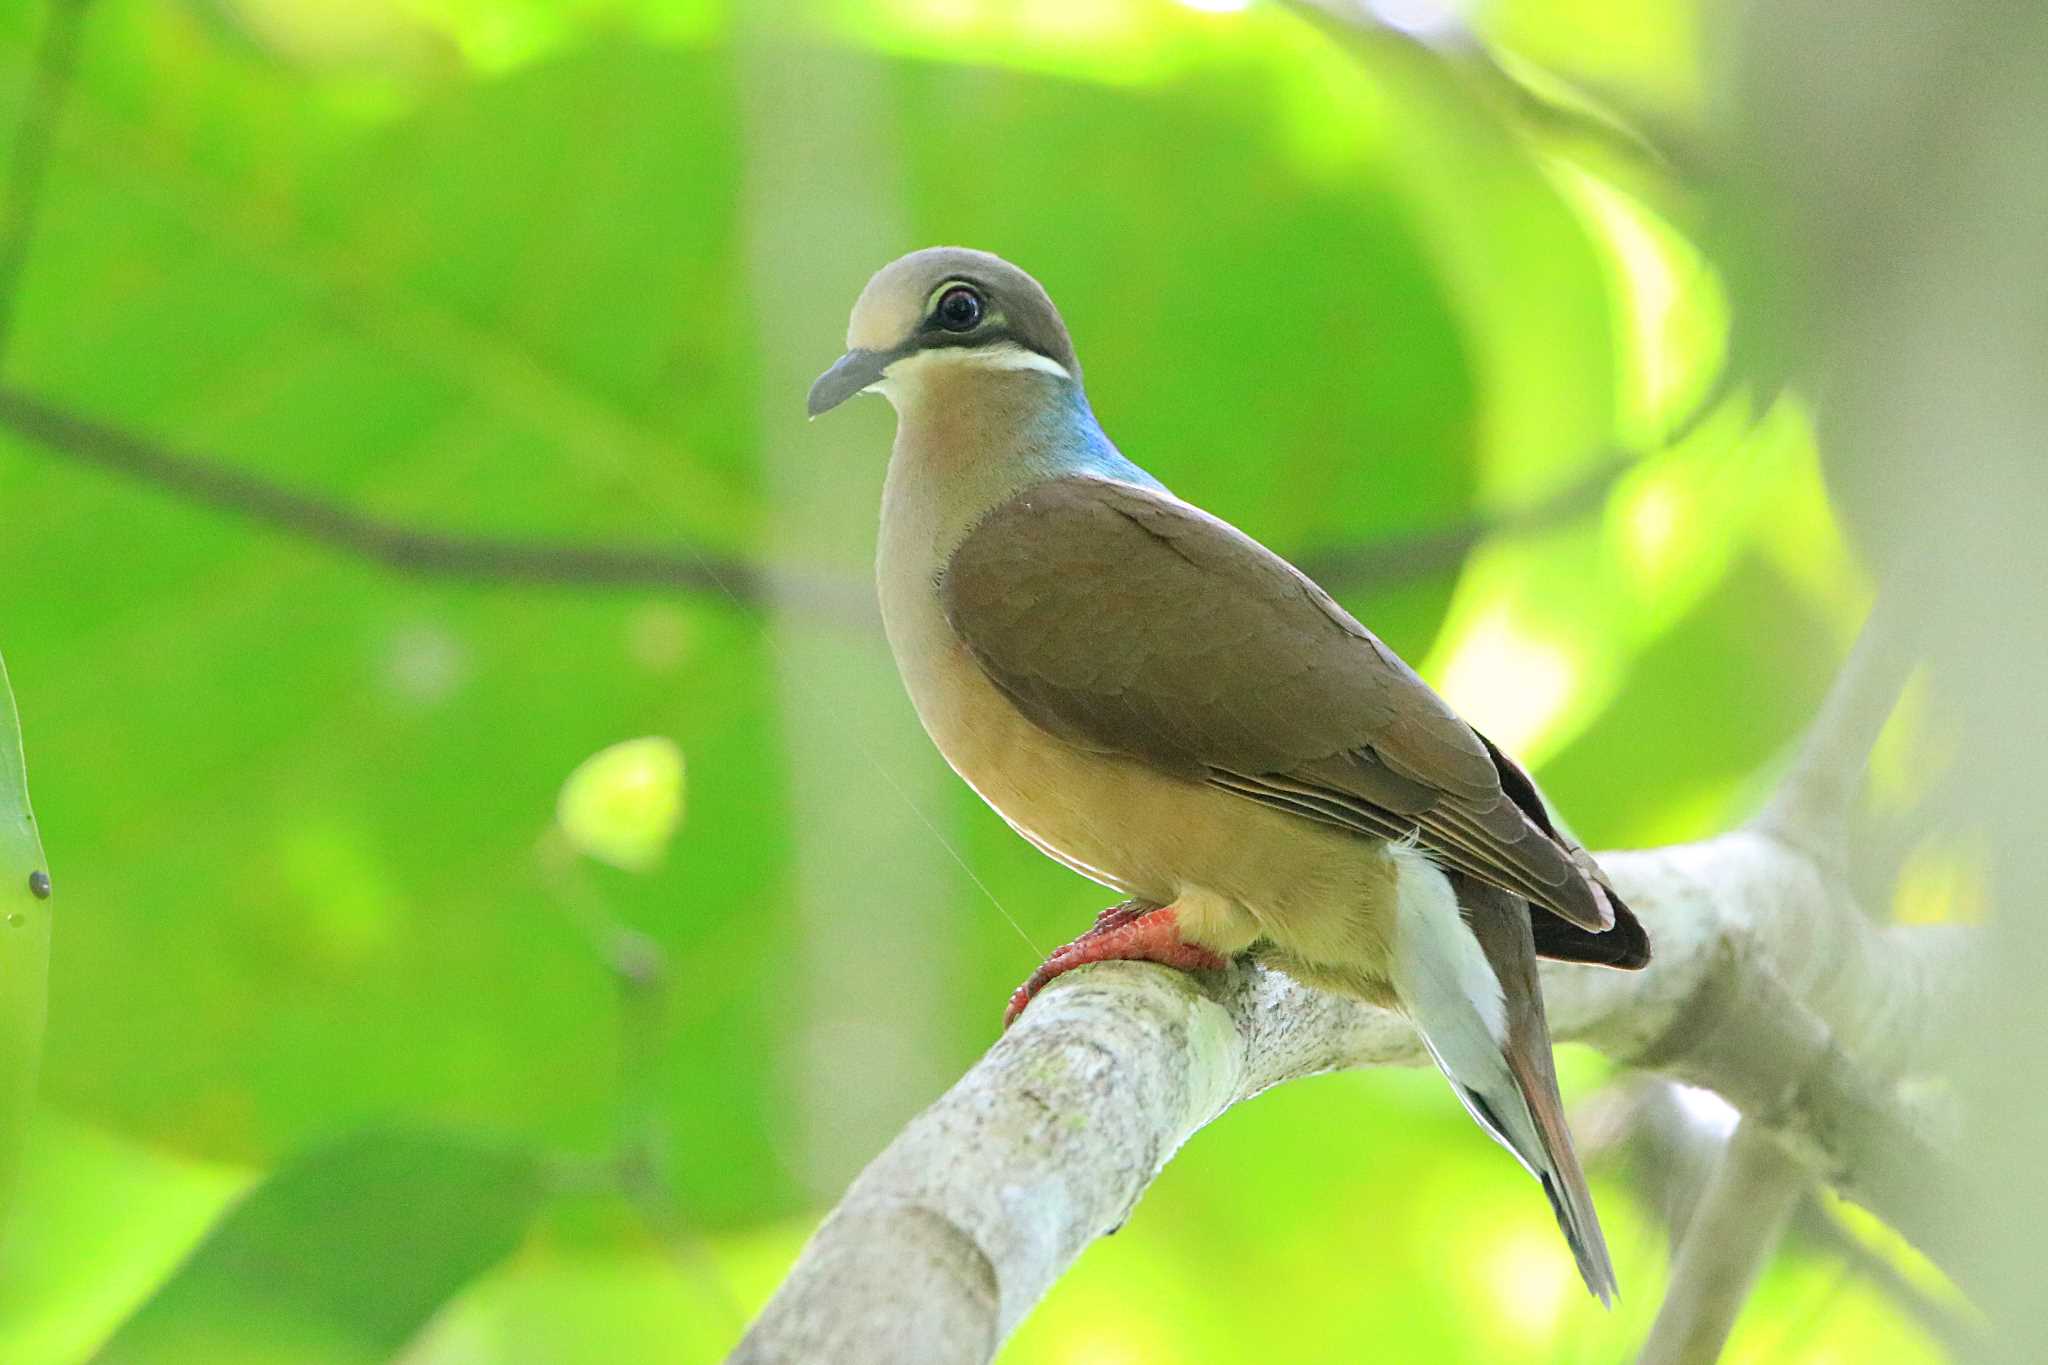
(1238, 872)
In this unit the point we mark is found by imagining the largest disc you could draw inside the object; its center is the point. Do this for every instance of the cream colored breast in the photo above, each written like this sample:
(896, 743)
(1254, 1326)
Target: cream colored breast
(1232, 865)
(1046, 790)
(1236, 869)
(1051, 793)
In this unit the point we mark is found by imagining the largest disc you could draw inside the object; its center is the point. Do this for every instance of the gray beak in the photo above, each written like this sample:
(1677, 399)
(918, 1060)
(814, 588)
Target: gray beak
(855, 371)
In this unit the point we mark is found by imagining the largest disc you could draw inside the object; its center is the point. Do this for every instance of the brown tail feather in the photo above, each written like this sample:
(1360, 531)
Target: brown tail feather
(1501, 923)
(1625, 945)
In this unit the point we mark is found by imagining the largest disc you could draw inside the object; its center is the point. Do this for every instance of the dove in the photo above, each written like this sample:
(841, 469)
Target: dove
(1161, 703)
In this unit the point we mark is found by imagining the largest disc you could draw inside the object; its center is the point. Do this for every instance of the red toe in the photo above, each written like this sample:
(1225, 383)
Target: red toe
(1124, 933)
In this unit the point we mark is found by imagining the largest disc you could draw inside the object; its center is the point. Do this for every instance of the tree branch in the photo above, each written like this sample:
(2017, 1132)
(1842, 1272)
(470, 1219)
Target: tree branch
(1810, 806)
(1669, 1148)
(1770, 987)
(405, 549)
(1423, 554)
(958, 1228)
(1731, 1235)
(423, 553)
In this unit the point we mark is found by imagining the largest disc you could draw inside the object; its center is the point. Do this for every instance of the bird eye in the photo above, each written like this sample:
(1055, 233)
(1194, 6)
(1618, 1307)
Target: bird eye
(959, 309)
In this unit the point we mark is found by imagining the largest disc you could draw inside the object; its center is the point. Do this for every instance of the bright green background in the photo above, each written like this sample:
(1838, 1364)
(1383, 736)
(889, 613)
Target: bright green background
(485, 265)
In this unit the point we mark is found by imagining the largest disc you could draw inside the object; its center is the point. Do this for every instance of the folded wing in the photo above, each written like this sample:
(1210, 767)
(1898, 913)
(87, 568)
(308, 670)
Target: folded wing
(1124, 620)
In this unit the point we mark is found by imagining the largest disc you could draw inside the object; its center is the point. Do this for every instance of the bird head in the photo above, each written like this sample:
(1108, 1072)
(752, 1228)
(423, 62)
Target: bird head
(945, 305)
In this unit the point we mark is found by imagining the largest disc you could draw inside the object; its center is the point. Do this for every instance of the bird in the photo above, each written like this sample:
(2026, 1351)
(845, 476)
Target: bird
(1164, 705)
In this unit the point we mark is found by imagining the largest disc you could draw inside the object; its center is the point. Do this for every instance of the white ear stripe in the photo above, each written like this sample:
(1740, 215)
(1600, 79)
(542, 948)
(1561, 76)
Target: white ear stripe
(1010, 356)
(1007, 355)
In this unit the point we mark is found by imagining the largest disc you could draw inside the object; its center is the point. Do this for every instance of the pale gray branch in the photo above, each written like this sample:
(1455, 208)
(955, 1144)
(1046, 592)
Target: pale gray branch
(1811, 803)
(1731, 1235)
(951, 1235)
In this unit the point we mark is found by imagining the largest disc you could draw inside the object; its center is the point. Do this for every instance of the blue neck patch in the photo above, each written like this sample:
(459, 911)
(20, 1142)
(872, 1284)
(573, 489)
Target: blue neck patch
(1067, 439)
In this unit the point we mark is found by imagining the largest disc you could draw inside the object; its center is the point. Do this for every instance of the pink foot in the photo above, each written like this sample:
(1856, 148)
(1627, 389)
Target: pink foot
(1131, 932)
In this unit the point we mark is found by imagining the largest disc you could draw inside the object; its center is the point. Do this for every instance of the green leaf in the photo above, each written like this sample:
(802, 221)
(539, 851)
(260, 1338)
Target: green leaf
(340, 1257)
(579, 1308)
(312, 886)
(24, 944)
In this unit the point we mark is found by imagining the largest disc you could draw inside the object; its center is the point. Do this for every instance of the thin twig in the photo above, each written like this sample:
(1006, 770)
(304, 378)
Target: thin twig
(28, 168)
(1953, 1328)
(1810, 806)
(485, 559)
(488, 559)
(405, 549)
(638, 1166)
(1423, 554)
(1669, 1153)
(1731, 1235)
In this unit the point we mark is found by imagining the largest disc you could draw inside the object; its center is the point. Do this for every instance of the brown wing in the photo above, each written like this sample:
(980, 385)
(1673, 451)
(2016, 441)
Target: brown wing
(1125, 620)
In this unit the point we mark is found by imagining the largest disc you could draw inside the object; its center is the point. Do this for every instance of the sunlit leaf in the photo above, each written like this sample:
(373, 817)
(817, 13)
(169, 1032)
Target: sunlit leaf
(588, 1309)
(1671, 317)
(25, 889)
(339, 1258)
(1709, 704)
(622, 804)
(1650, 54)
(1942, 881)
(100, 1223)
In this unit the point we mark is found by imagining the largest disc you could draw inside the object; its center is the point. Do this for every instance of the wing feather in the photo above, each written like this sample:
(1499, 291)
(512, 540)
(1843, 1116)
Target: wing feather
(1074, 598)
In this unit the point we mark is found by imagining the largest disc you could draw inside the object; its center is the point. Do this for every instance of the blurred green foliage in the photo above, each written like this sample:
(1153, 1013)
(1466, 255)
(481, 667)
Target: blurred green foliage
(475, 265)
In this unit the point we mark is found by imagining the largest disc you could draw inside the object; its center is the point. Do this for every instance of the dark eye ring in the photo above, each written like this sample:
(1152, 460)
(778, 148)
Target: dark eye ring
(959, 309)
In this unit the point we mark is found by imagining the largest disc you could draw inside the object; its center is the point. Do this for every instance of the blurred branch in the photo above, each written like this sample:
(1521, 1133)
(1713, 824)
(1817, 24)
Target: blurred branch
(402, 548)
(527, 562)
(1769, 987)
(28, 166)
(638, 1168)
(491, 559)
(1811, 804)
(1423, 554)
(1731, 1235)
(1957, 1334)
(1669, 1145)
